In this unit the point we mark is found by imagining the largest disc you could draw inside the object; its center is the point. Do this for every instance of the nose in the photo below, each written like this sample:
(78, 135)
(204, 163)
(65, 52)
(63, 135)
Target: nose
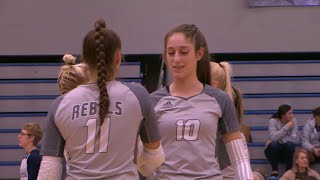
(176, 57)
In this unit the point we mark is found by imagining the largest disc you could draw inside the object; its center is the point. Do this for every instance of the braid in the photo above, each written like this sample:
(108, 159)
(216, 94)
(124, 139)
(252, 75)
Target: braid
(104, 101)
(99, 48)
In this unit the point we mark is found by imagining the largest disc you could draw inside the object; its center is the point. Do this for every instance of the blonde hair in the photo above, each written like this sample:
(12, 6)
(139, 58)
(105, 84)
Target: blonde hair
(221, 73)
(296, 154)
(71, 75)
(34, 129)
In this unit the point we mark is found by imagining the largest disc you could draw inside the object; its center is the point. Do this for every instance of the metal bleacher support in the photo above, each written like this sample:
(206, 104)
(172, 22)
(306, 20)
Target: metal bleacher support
(27, 90)
(267, 84)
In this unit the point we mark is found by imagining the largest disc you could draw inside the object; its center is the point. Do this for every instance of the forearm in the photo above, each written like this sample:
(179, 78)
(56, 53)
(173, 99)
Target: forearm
(50, 168)
(149, 159)
(239, 157)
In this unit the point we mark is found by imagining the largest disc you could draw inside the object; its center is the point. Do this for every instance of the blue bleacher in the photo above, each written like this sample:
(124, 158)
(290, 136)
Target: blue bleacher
(27, 90)
(267, 84)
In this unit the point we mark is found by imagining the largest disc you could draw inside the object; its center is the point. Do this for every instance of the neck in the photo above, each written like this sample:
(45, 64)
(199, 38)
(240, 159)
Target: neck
(93, 77)
(29, 148)
(186, 88)
(283, 121)
(302, 169)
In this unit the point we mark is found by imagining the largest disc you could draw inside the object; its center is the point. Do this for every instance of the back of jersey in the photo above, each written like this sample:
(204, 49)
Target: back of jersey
(101, 152)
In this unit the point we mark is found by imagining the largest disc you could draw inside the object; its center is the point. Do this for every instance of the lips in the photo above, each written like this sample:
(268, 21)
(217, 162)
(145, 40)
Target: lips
(178, 66)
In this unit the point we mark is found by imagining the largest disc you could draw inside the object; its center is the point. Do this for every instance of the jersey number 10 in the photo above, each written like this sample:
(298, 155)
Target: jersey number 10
(187, 129)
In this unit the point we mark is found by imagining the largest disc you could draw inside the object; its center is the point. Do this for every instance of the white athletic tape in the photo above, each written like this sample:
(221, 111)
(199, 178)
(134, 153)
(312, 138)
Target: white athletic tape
(50, 168)
(149, 160)
(239, 157)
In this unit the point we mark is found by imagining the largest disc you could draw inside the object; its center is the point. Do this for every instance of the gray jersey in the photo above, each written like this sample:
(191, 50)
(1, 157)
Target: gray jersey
(72, 125)
(188, 129)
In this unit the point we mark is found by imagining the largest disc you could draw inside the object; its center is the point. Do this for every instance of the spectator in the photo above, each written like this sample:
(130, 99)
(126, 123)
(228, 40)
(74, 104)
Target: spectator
(311, 136)
(258, 175)
(300, 169)
(283, 129)
(29, 137)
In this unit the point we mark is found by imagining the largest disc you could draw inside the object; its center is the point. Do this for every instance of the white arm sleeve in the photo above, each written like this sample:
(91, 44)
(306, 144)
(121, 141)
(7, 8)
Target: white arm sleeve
(239, 157)
(149, 160)
(50, 168)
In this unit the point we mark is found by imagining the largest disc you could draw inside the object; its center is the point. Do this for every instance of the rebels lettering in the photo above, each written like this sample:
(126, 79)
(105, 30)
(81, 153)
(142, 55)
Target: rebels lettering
(91, 108)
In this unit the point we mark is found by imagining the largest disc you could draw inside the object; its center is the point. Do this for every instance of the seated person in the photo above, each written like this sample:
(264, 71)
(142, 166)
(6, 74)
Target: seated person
(258, 175)
(300, 169)
(283, 129)
(311, 136)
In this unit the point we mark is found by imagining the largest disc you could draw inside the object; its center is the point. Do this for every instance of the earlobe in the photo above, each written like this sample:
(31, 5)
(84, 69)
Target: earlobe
(200, 53)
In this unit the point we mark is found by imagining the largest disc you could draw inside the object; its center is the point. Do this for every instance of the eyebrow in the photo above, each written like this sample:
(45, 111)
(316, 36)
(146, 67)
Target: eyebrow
(180, 47)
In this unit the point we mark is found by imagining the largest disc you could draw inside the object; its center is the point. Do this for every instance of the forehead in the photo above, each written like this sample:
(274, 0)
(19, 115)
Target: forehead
(290, 111)
(302, 154)
(24, 130)
(177, 40)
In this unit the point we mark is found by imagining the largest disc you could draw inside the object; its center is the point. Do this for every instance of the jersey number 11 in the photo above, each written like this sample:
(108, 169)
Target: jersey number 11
(92, 132)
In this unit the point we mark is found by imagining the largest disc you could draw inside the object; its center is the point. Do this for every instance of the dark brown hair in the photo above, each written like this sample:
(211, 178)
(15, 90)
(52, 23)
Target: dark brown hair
(197, 38)
(316, 111)
(99, 48)
(282, 110)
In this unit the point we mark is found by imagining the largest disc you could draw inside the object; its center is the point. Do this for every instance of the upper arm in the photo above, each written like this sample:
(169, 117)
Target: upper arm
(272, 126)
(306, 131)
(33, 165)
(148, 131)
(228, 122)
(53, 142)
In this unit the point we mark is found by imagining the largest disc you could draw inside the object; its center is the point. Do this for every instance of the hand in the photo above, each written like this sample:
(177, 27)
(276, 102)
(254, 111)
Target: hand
(290, 124)
(267, 143)
(316, 151)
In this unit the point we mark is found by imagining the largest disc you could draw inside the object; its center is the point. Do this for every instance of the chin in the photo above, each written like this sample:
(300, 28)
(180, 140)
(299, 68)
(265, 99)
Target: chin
(178, 76)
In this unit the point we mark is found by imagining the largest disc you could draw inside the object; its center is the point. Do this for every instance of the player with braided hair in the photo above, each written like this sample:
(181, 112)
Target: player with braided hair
(88, 122)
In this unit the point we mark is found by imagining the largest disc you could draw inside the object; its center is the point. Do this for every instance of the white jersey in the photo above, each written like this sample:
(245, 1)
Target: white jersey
(108, 154)
(188, 130)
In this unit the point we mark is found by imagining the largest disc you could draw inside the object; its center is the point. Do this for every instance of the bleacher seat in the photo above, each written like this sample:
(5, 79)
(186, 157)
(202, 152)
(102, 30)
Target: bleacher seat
(27, 90)
(266, 85)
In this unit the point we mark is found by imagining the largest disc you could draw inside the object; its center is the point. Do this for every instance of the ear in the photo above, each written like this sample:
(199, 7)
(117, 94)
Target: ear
(31, 138)
(215, 84)
(117, 57)
(199, 53)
